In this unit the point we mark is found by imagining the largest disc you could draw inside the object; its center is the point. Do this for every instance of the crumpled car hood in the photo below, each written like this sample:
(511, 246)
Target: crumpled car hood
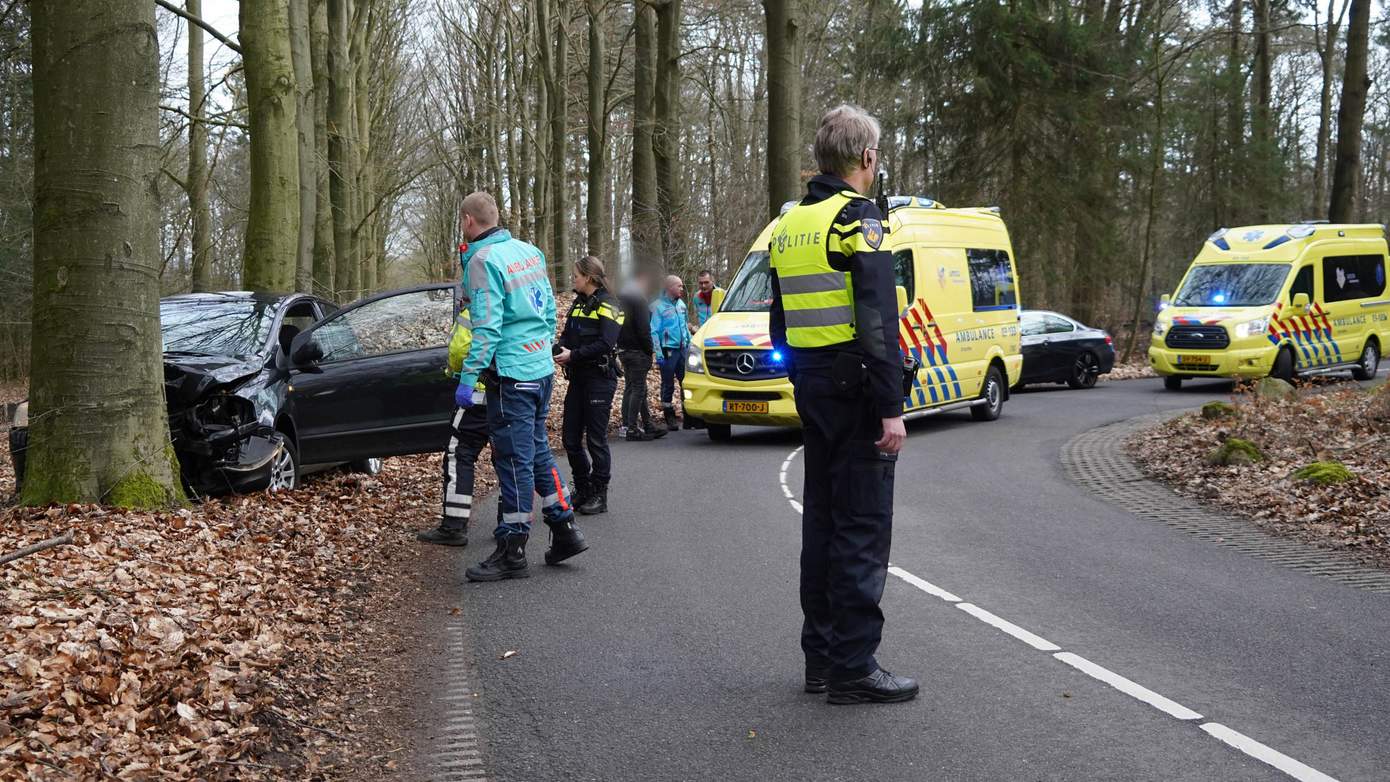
(192, 376)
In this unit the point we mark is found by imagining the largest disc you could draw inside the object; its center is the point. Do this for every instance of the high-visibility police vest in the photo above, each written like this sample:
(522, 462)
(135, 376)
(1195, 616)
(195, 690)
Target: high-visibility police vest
(818, 300)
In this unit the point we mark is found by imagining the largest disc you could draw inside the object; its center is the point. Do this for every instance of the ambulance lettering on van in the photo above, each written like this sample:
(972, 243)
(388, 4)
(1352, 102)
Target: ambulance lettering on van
(1281, 300)
(959, 297)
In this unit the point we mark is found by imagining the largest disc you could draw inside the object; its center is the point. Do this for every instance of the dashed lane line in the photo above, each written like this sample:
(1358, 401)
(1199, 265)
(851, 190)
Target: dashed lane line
(1268, 755)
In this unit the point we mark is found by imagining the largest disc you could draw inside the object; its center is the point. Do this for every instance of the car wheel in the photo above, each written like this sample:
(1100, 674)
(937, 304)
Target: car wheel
(993, 394)
(1283, 366)
(1172, 383)
(284, 468)
(1085, 371)
(720, 433)
(371, 466)
(1369, 363)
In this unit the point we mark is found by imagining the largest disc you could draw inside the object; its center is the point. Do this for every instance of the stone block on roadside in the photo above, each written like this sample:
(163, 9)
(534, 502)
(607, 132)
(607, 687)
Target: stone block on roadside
(1215, 410)
(1274, 389)
(1234, 453)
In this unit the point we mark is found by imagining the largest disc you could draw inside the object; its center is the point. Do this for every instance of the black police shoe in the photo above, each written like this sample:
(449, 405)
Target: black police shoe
(507, 561)
(579, 492)
(444, 536)
(657, 432)
(598, 501)
(641, 436)
(878, 687)
(817, 680)
(565, 541)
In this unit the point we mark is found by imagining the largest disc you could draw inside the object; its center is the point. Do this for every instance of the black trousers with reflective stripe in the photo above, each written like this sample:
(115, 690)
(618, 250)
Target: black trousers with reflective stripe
(846, 527)
(584, 431)
(468, 440)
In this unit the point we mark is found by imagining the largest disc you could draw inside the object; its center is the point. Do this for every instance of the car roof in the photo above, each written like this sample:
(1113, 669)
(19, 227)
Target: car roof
(259, 297)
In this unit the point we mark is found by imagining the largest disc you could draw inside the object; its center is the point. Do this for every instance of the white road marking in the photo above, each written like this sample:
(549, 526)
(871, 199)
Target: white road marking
(1039, 643)
(1255, 749)
(1172, 708)
(1132, 689)
(922, 584)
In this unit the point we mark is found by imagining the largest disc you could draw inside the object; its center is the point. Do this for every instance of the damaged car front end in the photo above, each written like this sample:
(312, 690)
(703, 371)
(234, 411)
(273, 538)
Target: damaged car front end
(222, 424)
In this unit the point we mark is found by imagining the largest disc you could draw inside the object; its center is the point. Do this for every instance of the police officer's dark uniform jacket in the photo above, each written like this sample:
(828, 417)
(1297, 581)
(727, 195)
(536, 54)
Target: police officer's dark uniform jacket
(591, 335)
(835, 308)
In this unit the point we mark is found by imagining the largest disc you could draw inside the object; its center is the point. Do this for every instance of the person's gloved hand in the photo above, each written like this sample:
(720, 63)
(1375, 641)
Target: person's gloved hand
(463, 396)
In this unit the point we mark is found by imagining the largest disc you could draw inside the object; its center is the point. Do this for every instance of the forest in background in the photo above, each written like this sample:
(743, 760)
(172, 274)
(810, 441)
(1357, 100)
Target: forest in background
(1113, 134)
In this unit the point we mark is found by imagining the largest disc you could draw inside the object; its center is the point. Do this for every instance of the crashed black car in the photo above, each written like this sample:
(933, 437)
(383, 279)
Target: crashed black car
(251, 407)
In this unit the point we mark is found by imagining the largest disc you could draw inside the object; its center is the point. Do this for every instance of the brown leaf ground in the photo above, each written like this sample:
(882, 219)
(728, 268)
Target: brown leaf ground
(1325, 422)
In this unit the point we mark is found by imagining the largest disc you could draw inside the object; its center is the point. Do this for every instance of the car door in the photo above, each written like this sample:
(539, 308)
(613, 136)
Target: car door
(380, 387)
(1059, 346)
(1033, 340)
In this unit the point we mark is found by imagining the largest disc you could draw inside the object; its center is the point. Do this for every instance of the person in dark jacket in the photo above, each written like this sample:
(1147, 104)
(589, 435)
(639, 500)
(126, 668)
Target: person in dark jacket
(588, 352)
(635, 352)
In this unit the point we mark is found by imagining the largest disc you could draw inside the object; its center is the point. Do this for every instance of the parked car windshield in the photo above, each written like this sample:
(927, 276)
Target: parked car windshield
(751, 290)
(234, 327)
(1232, 285)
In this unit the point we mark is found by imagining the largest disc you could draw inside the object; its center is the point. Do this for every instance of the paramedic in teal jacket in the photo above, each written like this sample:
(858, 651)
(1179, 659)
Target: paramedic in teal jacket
(671, 338)
(513, 315)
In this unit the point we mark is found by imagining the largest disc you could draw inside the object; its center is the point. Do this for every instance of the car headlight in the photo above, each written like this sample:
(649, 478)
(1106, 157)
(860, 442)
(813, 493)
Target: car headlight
(21, 416)
(695, 362)
(1160, 328)
(1251, 328)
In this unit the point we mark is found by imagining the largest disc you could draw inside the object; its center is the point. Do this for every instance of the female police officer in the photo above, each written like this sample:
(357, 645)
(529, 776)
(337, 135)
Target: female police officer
(587, 352)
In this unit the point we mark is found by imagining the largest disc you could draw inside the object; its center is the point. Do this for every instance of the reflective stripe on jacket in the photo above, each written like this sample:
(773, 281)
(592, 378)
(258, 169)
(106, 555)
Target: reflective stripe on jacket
(512, 307)
(817, 299)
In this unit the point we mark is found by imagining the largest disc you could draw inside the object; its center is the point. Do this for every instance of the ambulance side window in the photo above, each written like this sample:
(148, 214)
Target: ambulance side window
(1303, 283)
(1347, 277)
(991, 280)
(902, 272)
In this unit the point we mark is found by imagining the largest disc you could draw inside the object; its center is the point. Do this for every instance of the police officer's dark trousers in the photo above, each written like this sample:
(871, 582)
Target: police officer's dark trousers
(468, 440)
(588, 404)
(846, 527)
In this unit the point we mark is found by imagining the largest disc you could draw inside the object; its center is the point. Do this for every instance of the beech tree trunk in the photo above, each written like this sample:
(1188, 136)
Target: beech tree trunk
(783, 102)
(98, 425)
(1355, 83)
(558, 73)
(304, 131)
(1265, 153)
(323, 203)
(1327, 50)
(197, 184)
(666, 131)
(646, 220)
(342, 172)
(596, 207)
(272, 220)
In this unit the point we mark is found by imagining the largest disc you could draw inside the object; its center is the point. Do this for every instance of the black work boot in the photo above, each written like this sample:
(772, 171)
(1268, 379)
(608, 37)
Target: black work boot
(565, 541)
(507, 561)
(672, 425)
(444, 536)
(598, 500)
(878, 687)
(817, 679)
(581, 492)
(635, 435)
(657, 432)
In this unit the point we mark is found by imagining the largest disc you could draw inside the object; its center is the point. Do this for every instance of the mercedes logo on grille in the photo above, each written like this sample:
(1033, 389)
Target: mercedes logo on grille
(745, 363)
(1198, 335)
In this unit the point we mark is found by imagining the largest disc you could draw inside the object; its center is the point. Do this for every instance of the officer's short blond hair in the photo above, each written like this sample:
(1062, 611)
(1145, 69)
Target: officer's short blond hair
(845, 132)
(482, 207)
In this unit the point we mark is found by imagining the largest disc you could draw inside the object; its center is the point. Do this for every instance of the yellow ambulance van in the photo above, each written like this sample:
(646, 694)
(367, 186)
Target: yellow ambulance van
(1280, 300)
(958, 295)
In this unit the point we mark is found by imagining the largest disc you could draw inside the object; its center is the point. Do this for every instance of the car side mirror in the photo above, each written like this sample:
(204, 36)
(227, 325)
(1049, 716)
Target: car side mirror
(305, 352)
(716, 300)
(902, 299)
(1301, 302)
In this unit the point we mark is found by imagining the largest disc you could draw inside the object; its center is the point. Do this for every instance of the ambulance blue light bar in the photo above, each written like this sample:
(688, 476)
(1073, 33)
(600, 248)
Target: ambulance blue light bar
(1219, 239)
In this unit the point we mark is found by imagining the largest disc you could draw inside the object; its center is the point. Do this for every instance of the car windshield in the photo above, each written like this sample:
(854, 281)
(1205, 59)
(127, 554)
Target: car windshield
(751, 290)
(232, 327)
(1232, 285)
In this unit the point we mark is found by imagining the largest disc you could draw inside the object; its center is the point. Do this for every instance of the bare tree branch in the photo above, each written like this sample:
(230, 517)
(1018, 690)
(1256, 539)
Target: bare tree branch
(173, 9)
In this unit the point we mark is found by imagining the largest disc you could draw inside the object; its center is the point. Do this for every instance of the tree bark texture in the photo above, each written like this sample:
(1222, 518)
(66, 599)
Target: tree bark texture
(98, 425)
(197, 184)
(342, 172)
(272, 220)
(646, 220)
(323, 203)
(1327, 51)
(1265, 153)
(666, 134)
(1350, 115)
(596, 206)
(784, 102)
(559, 147)
(302, 58)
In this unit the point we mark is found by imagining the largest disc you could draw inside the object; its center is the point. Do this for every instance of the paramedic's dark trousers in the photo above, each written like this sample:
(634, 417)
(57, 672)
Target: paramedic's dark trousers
(846, 527)
(588, 405)
(468, 440)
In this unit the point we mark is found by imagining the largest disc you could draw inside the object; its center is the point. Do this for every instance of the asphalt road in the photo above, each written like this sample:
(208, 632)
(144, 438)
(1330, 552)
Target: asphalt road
(669, 650)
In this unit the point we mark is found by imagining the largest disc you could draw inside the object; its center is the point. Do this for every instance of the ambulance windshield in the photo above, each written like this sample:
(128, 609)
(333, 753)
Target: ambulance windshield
(751, 290)
(1232, 285)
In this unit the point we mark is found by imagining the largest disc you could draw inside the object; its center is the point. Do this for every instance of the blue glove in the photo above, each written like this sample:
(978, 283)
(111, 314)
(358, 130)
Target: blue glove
(463, 397)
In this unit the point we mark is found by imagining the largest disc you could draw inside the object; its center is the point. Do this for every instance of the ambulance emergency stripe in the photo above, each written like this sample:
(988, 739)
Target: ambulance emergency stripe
(1319, 312)
(954, 380)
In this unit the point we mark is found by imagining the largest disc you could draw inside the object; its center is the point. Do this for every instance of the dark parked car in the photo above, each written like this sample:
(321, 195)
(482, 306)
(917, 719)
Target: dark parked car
(1058, 349)
(262, 388)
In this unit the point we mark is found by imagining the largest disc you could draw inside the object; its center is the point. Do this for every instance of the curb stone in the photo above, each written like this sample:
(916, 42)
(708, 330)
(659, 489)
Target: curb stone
(1097, 460)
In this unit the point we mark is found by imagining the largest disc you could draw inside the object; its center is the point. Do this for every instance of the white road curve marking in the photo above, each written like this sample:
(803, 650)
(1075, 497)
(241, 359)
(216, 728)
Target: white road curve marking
(1260, 752)
(1134, 690)
(922, 584)
(1037, 642)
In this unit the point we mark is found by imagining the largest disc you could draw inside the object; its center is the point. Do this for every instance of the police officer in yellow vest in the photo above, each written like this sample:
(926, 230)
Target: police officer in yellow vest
(834, 306)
